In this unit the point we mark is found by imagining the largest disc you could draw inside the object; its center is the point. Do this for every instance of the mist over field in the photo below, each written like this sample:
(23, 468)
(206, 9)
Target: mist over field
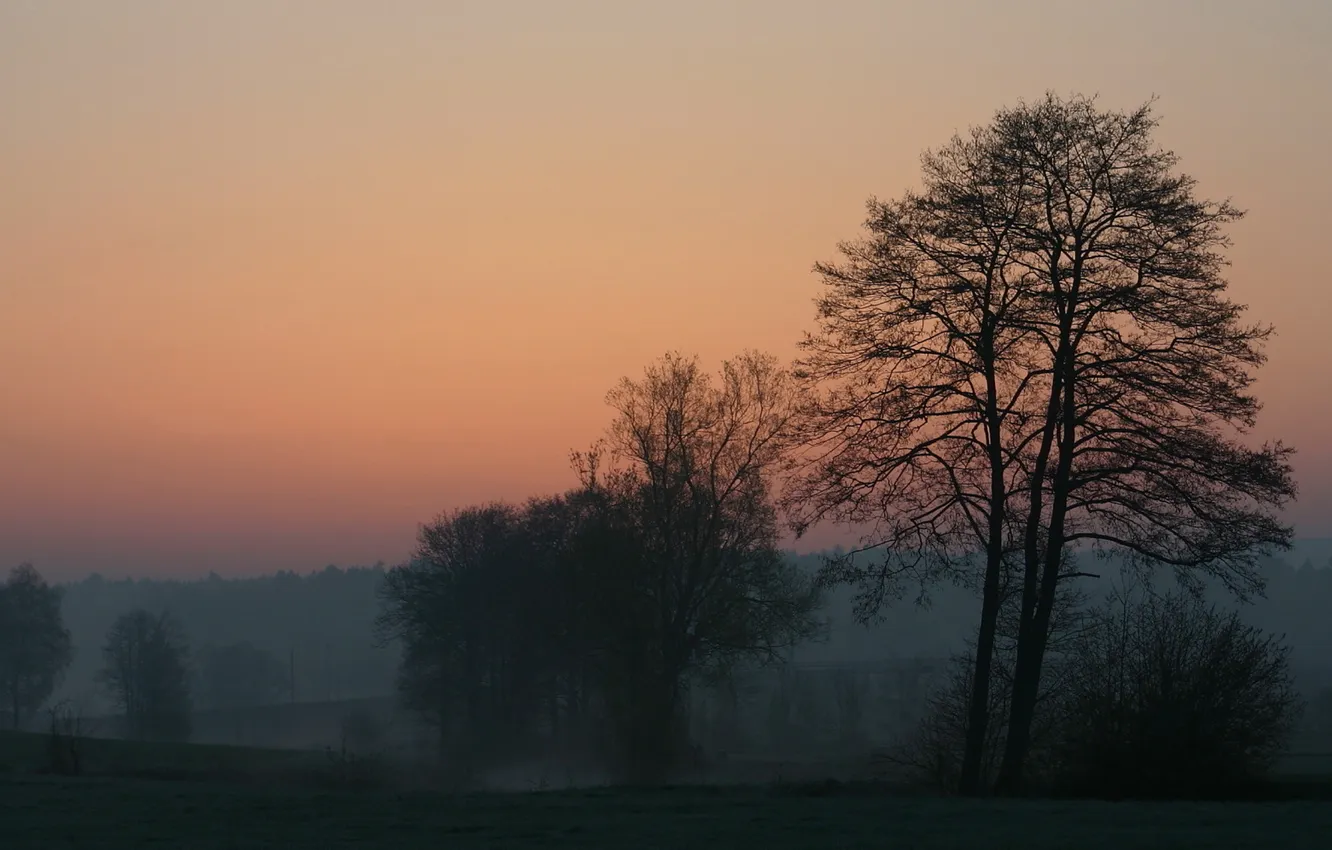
(320, 627)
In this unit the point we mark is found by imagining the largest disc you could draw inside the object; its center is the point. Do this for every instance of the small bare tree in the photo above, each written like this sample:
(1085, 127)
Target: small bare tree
(69, 729)
(146, 672)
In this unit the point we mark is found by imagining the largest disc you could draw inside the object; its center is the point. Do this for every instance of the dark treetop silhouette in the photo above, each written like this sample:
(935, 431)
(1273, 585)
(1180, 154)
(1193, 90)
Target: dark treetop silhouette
(1033, 356)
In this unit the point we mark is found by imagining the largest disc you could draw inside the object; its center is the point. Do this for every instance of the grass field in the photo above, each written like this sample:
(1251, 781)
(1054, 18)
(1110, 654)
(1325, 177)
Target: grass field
(25, 754)
(225, 797)
(113, 814)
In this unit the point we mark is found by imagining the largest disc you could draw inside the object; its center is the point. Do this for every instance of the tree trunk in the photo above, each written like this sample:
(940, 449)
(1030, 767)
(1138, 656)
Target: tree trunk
(979, 710)
(978, 716)
(1035, 635)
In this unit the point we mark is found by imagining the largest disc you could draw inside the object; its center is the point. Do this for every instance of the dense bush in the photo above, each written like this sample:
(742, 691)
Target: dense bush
(1148, 695)
(1171, 697)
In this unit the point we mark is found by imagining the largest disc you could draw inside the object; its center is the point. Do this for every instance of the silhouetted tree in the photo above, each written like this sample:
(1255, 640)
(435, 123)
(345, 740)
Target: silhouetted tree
(579, 548)
(692, 462)
(146, 674)
(240, 675)
(922, 355)
(35, 646)
(459, 611)
(1151, 368)
(1033, 355)
(606, 601)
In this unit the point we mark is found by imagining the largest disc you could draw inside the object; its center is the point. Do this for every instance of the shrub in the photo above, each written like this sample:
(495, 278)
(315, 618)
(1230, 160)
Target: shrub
(1144, 696)
(1171, 697)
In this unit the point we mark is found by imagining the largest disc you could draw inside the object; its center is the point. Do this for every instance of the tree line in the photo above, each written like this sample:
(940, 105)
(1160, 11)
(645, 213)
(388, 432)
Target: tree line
(145, 670)
(318, 626)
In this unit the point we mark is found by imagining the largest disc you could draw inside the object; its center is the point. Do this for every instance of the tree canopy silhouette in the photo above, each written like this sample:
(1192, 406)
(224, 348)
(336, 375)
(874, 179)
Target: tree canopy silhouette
(1032, 357)
(694, 462)
(660, 568)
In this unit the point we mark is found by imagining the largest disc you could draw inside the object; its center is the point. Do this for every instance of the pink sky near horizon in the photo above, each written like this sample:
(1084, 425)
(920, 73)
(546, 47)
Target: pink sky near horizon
(281, 280)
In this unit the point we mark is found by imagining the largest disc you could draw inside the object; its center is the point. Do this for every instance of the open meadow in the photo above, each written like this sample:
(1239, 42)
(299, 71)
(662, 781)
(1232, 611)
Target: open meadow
(189, 796)
(115, 814)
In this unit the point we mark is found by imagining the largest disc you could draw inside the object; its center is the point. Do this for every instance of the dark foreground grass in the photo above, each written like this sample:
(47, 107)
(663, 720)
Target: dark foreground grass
(190, 796)
(27, 753)
(113, 814)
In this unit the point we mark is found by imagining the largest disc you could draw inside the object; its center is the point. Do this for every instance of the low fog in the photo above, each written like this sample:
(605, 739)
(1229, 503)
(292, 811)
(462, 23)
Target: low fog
(295, 661)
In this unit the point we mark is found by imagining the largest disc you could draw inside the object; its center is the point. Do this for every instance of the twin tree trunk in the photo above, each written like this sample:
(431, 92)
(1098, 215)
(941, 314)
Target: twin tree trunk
(1056, 244)
(1036, 623)
(978, 716)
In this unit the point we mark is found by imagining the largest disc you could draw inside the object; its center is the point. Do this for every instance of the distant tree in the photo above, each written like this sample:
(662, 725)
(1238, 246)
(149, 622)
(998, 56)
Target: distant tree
(692, 462)
(240, 675)
(320, 625)
(35, 646)
(1035, 354)
(145, 672)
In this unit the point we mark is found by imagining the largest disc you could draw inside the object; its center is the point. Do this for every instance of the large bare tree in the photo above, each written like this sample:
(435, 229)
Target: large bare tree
(924, 356)
(1033, 356)
(1141, 448)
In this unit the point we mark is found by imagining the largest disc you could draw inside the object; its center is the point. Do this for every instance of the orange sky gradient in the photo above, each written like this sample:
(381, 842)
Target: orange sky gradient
(280, 280)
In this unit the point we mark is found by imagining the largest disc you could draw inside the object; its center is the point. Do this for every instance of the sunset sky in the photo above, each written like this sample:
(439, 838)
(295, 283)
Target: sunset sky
(280, 280)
